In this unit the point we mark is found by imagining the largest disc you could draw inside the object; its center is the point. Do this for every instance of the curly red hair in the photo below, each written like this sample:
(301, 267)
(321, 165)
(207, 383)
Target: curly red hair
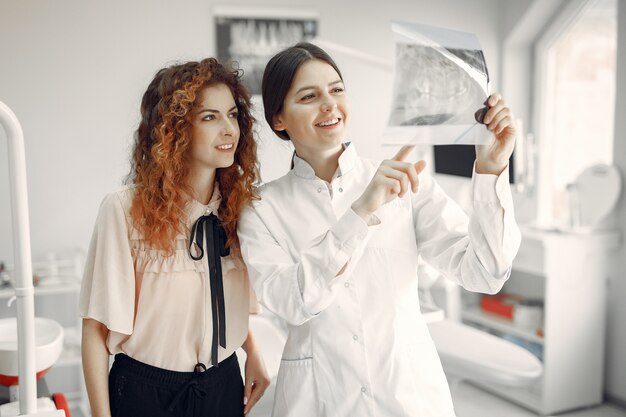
(159, 167)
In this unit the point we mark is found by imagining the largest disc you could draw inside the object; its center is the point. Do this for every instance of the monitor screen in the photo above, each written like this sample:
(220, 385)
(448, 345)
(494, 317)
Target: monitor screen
(459, 160)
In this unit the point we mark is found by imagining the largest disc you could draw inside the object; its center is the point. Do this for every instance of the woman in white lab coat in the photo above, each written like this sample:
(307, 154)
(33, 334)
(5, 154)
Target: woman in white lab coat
(332, 247)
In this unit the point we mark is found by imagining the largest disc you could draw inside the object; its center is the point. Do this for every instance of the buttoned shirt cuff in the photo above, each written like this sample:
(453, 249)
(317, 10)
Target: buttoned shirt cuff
(350, 232)
(489, 188)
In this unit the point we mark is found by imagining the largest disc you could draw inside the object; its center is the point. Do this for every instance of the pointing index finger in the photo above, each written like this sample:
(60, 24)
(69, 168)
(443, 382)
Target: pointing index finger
(403, 152)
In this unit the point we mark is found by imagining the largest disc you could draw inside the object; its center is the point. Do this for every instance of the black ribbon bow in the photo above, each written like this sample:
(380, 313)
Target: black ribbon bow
(210, 225)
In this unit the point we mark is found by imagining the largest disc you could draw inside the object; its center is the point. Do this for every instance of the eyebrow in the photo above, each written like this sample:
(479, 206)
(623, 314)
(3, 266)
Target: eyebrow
(312, 87)
(217, 111)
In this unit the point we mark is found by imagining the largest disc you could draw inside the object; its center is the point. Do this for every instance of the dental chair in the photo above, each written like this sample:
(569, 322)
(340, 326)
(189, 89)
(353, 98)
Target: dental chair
(469, 354)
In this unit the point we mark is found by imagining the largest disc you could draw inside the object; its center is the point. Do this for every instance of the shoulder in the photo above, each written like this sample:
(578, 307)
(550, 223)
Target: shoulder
(272, 196)
(116, 204)
(122, 197)
(275, 188)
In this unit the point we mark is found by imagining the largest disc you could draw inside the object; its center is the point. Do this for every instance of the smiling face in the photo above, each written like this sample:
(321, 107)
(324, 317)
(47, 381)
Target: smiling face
(315, 110)
(215, 128)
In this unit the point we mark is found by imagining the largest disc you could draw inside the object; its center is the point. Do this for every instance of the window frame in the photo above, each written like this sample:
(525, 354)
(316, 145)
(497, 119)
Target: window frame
(570, 14)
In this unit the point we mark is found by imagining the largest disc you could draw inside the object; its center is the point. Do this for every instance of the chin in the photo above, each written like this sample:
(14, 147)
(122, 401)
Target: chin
(226, 164)
(219, 163)
(335, 140)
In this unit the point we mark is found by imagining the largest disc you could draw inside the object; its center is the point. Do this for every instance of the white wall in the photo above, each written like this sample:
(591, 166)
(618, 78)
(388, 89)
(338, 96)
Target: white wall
(74, 72)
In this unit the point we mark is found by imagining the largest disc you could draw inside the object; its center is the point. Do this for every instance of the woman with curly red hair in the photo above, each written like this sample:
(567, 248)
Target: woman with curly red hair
(165, 289)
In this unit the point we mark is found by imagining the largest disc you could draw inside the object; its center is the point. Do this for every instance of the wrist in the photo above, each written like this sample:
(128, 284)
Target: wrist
(493, 168)
(363, 213)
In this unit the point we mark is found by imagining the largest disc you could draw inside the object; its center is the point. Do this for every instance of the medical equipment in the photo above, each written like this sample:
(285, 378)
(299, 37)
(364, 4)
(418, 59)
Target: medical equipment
(593, 195)
(481, 357)
(28, 403)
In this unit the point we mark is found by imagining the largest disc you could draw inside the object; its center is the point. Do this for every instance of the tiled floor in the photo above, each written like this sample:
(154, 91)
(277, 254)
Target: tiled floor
(471, 401)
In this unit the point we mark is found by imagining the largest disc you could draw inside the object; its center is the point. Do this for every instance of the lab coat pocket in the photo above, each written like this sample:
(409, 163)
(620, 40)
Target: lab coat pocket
(296, 395)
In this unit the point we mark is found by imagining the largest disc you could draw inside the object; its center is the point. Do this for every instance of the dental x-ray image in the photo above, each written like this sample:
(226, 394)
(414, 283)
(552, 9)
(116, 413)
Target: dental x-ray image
(440, 81)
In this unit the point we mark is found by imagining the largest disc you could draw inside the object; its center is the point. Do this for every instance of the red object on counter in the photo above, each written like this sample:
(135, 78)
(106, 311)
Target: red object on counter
(501, 304)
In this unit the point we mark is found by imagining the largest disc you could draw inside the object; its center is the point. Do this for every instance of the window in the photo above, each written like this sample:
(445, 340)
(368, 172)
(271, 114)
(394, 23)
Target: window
(576, 97)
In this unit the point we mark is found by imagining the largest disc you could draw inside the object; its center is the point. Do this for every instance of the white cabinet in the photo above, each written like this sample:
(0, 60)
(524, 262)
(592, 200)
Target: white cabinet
(568, 272)
(56, 298)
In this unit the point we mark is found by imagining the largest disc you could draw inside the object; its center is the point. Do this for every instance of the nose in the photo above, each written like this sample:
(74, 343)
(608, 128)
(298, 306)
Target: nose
(229, 127)
(328, 104)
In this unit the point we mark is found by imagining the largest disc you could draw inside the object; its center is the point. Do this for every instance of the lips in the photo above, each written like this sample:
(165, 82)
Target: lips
(225, 147)
(329, 122)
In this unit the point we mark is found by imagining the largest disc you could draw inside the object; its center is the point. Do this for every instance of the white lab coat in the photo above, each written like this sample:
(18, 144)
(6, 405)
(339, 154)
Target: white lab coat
(357, 344)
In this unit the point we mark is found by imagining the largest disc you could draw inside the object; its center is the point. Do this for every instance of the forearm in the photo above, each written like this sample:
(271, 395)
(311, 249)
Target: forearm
(493, 222)
(298, 287)
(95, 358)
(476, 254)
(249, 345)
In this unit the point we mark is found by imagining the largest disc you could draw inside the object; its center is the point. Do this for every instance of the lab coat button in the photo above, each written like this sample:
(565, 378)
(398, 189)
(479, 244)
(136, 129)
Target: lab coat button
(346, 284)
(319, 190)
(363, 390)
(355, 337)
(340, 190)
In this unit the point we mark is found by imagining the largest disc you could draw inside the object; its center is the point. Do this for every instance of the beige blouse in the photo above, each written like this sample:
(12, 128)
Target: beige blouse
(158, 308)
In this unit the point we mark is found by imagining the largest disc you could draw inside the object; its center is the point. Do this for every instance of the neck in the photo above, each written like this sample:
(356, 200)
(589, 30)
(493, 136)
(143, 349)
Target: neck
(324, 162)
(202, 181)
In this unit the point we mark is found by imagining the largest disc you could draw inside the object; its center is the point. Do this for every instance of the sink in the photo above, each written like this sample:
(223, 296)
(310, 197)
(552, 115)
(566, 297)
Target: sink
(48, 346)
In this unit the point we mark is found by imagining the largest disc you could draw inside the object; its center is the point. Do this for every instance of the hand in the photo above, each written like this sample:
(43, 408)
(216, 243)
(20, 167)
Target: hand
(493, 158)
(394, 178)
(257, 380)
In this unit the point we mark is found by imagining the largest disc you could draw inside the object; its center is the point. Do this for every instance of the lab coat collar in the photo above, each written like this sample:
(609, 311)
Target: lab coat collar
(347, 159)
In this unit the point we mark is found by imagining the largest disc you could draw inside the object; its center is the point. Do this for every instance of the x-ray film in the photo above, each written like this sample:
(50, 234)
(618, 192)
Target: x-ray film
(440, 81)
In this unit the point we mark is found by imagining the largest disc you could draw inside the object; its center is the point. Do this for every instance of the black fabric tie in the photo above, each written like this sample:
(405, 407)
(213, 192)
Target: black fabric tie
(190, 391)
(210, 225)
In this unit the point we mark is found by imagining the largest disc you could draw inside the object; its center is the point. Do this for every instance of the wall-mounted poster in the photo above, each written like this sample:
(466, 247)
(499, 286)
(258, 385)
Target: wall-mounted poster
(251, 35)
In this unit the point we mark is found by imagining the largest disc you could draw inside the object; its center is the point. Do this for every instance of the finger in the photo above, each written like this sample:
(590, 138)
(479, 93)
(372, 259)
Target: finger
(416, 169)
(504, 123)
(493, 99)
(492, 112)
(247, 391)
(406, 167)
(419, 166)
(403, 152)
(257, 392)
(413, 178)
(400, 176)
(497, 118)
(392, 185)
(411, 169)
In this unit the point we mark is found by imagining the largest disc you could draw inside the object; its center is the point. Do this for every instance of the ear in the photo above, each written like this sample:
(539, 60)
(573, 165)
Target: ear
(277, 123)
